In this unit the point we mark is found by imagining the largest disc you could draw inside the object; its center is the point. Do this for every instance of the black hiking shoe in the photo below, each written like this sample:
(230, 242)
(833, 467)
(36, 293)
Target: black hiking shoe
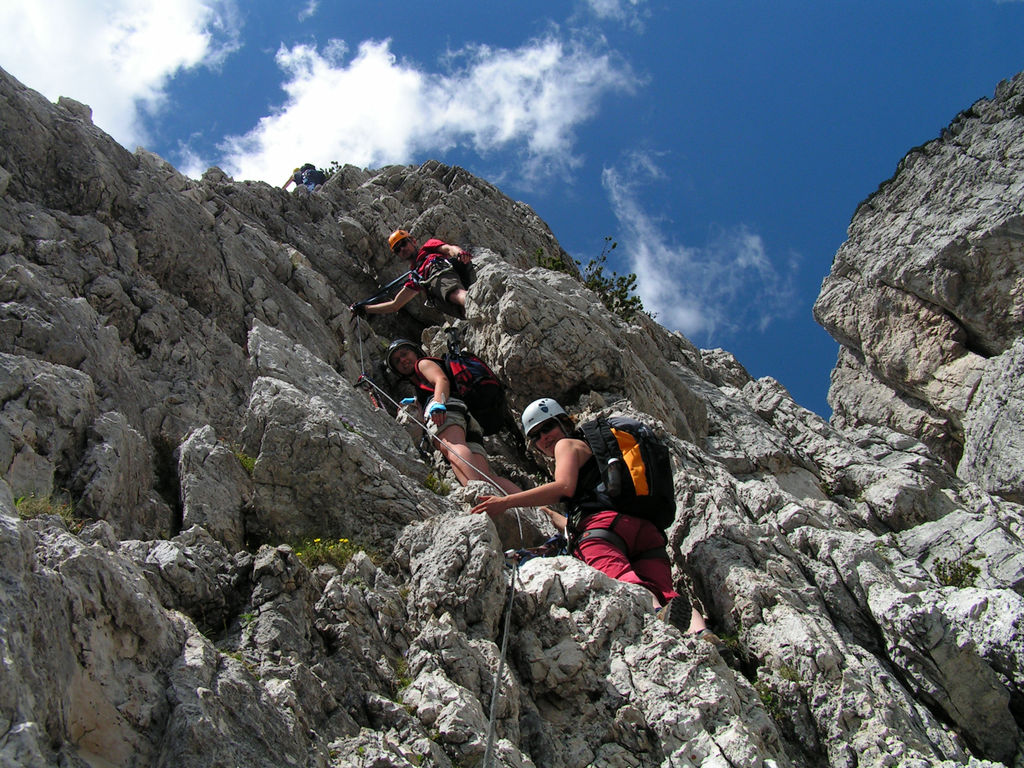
(677, 612)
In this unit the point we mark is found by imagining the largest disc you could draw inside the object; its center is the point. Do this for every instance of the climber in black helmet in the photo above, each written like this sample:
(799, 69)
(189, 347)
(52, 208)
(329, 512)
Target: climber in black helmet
(447, 418)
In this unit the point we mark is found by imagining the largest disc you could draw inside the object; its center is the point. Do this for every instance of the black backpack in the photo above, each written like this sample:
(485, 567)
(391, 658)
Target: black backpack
(635, 467)
(312, 175)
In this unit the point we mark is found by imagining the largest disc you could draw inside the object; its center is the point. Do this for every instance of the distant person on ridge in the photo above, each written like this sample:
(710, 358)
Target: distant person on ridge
(443, 270)
(308, 176)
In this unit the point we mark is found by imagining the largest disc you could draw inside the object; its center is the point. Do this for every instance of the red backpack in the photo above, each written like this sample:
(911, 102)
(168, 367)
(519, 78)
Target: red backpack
(475, 384)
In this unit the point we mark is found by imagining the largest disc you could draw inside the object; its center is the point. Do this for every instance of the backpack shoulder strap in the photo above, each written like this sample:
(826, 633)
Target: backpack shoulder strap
(607, 453)
(419, 379)
(602, 442)
(433, 245)
(446, 369)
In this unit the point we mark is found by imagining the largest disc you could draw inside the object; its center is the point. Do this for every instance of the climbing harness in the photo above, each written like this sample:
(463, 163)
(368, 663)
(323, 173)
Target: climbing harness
(556, 545)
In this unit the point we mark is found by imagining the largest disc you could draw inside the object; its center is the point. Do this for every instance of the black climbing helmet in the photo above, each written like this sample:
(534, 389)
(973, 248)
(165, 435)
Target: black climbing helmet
(398, 344)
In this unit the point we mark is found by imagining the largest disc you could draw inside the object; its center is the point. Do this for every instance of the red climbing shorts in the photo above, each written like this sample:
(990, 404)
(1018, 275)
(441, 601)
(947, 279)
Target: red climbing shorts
(640, 537)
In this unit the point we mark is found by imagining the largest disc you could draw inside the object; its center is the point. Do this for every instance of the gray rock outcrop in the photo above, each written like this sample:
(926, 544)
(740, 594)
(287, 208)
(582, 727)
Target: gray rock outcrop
(925, 297)
(181, 430)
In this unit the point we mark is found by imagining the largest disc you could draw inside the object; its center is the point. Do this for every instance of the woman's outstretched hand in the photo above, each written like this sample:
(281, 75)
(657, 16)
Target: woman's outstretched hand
(492, 505)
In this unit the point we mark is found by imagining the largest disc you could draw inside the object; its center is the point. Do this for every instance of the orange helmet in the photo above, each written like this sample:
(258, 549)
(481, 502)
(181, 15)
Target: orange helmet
(396, 237)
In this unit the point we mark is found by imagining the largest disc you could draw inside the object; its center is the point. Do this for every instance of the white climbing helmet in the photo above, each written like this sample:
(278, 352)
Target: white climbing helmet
(539, 411)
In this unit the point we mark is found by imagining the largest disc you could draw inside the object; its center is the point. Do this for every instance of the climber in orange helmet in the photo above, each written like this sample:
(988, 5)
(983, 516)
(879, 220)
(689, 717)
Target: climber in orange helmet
(442, 270)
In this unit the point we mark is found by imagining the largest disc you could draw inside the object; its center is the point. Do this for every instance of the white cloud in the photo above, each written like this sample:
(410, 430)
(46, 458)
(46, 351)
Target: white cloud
(310, 10)
(190, 163)
(631, 12)
(117, 56)
(727, 285)
(375, 109)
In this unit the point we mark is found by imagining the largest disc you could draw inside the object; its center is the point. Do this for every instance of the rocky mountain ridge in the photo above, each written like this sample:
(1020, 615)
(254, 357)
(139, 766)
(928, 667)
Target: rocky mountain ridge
(177, 359)
(932, 270)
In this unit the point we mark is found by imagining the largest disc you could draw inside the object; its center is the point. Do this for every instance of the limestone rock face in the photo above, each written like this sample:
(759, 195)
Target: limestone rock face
(926, 293)
(186, 427)
(994, 427)
(46, 408)
(216, 491)
(543, 334)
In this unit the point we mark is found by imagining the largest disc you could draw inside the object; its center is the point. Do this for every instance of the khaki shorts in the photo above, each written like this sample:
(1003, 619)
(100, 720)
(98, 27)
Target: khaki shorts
(440, 282)
(457, 416)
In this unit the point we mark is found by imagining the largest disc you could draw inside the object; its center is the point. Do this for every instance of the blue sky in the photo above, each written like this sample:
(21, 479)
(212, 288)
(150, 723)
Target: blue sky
(723, 145)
